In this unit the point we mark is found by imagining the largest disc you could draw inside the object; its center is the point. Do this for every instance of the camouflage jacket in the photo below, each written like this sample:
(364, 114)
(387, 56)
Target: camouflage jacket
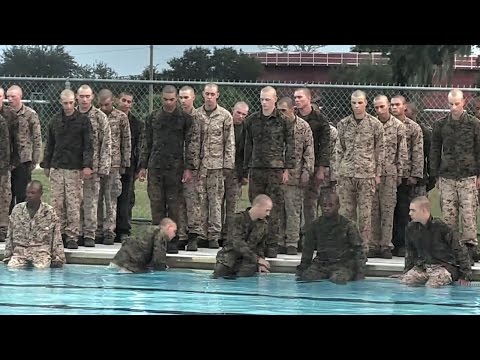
(304, 156)
(69, 142)
(121, 142)
(29, 135)
(455, 149)
(11, 119)
(269, 142)
(321, 136)
(337, 241)
(436, 243)
(332, 175)
(5, 148)
(39, 235)
(171, 141)
(246, 239)
(360, 147)
(413, 167)
(395, 147)
(217, 139)
(102, 141)
(137, 253)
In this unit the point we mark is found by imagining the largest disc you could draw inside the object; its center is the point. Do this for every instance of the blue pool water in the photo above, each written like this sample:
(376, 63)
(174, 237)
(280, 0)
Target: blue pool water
(84, 289)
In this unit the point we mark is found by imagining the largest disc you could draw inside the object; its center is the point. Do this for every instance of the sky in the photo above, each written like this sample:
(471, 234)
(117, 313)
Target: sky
(132, 59)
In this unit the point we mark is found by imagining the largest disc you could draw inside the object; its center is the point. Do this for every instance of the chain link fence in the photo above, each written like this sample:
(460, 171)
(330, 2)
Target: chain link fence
(42, 94)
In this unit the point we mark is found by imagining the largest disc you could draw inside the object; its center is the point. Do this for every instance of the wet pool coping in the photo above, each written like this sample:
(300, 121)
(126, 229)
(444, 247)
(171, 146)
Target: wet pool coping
(205, 259)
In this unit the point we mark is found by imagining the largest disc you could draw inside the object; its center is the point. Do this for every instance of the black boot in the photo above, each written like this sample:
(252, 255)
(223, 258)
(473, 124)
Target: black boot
(192, 242)
(172, 246)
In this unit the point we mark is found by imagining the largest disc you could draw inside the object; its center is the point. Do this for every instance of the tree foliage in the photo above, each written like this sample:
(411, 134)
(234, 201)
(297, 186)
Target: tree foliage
(37, 60)
(419, 64)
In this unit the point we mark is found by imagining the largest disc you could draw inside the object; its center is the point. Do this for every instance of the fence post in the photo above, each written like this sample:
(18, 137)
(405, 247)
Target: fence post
(67, 84)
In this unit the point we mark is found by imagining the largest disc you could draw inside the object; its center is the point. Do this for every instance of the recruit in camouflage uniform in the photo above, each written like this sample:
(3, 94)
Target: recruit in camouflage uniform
(190, 222)
(243, 251)
(298, 178)
(455, 160)
(67, 160)
(217, 153)
(426, 184)
(136, 253)
(234, 179)
(385, 197)
(111, 185)
(412, 172)
(269, 154)
(169, 153)
(126, 200)
(321, 140)
(360, 160)
(34, 237)
(102, 160)
(29, 144)
(435, 255)
(9, 157)
(340, 256)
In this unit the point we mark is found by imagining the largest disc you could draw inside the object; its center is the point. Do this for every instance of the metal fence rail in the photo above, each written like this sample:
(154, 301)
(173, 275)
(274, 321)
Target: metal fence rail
(42, 94)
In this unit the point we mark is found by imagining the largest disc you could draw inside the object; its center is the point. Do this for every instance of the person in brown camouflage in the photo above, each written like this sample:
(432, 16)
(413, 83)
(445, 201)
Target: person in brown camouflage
(385, 197)
(243, 251)
(412, 172)
(235, 179)
(111, 185)
(34, 233)
(360, 160)
(137, 253)
(298, 178)
(29, 141)
(435, 256)
(9, 159)
(340, 256)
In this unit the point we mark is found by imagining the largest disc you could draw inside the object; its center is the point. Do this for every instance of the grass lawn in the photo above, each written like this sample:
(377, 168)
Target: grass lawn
(142, 205)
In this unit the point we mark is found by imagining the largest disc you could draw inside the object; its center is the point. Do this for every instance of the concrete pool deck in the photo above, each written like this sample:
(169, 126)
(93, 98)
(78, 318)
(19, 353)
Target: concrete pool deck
(205, 259)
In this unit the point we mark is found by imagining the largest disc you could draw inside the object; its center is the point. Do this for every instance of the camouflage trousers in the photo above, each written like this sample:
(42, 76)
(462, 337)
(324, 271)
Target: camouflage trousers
(269, 182)
(433, 275)
(211, 189)
(310, 201)
(459, 197)
(110, 190)
(419, 190)
(66, 199)
(353, 192)
(190, 217)
(26, 256)
(292, 215)
(338, 273)
(383, 208)
(165, 191)
(5, 198)
(242, 268)
(88, 213)
(233, 192)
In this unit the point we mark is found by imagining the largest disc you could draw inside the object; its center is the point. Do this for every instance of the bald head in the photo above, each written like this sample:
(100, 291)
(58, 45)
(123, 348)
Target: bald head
(105, 94)
(456, 102)
(261, 207)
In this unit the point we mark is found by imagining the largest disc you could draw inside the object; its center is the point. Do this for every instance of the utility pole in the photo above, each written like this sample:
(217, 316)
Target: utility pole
(150, 105)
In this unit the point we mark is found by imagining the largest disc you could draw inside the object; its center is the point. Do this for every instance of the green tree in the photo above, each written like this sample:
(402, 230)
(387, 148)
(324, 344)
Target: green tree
(287, 48)
(200, 63)
(419, 64)
(99, 70)
(37, 60)
(362, 74)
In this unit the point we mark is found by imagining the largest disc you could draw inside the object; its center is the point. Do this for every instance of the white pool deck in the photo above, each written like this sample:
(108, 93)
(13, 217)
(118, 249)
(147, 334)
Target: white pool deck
(205, 259)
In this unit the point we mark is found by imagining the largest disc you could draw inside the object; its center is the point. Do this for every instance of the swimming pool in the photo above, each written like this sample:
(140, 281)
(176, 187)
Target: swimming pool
(88, 289)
